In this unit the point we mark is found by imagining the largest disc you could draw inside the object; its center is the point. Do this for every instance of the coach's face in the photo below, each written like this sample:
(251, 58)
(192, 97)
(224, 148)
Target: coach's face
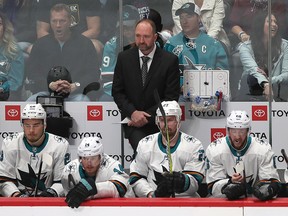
(60, 24)
(145, 37)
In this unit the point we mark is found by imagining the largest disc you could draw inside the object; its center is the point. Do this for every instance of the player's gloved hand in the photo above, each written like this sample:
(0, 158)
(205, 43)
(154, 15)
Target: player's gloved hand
(164, 189)
(49, 192)
(233, 191)
(266, 191)
(179, 181)
(81, 191)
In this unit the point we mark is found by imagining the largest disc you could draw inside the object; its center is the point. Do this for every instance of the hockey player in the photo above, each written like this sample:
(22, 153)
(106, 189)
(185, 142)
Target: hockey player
(150, 172)
(239, 165)
(31, 162)
(93, 175)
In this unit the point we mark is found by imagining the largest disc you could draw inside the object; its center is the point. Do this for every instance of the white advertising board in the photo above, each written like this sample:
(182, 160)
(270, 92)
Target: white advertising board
(102, 119)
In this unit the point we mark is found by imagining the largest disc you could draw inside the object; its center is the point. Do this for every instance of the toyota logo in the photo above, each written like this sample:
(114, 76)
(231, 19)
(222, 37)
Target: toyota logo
(94, 113)
(12, 112)
(259, 113)
(218, 135)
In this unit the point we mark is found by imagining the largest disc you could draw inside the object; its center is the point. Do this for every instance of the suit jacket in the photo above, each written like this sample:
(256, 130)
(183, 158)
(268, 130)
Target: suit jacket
(129, 93)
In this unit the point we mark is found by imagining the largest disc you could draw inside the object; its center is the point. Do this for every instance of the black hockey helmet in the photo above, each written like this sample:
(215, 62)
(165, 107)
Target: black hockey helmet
(57, 73)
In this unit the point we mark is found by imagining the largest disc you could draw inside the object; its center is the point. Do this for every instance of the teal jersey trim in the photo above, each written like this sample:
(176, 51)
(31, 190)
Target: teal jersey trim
(239, 153)
(162, 147)
(34, 149)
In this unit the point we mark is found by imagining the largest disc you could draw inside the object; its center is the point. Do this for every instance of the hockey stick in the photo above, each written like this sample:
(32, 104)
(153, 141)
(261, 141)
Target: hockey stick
(283, 152)
(47, 159)
(71, 179)
(168, 150)
(38, 177)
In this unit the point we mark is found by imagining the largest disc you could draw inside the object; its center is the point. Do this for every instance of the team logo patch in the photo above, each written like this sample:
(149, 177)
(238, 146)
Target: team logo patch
(259, 113)
(12, 112)
(94, 113)
(217, 133)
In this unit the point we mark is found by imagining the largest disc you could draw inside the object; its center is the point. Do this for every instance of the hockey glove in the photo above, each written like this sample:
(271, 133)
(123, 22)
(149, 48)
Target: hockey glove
(164, 189)
(266, 191)
(233, 191)
(179, 181)
(49, 192)
(81, 191)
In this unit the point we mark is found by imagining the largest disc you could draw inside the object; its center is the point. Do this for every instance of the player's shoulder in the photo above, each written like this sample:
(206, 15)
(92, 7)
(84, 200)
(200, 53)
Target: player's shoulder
(72, 166)
(189, 139)
(110, 163)
(260, 144)
(13, 138)
(218, 144)
(147, 143)
(57, 140)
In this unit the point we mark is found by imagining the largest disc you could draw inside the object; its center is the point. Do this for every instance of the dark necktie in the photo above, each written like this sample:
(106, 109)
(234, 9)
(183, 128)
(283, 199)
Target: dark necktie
(144, 68)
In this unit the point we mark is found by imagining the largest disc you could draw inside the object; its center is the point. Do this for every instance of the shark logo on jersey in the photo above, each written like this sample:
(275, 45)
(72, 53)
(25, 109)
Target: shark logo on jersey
(71, 168)
(190, 139)
(158, 176)
(29, 180)
(188, 64)
(11, 136)
(147, 138)
(164, 159)
(177, 50)
(59, 139)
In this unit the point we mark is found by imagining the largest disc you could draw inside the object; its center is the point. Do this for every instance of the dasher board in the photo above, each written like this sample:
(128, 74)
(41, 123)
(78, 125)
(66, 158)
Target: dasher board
(205, 83)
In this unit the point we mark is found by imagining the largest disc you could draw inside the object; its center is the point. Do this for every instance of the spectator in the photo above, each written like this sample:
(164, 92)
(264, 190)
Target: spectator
(133, 94)
(212, 14)
(194, 48)
(254, 58)
(94, 175)
(32, 161)
(60, 83)
(22, 14)
(11, 62)
(156, 173)
(85, 16)
(243, 12)
(239, 164)
(69, 49)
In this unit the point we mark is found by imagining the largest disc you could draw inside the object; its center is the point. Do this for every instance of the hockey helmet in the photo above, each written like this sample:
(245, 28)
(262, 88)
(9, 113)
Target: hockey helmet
(238, 119)
(33, 111)
(171, 108)
(90, 146)
(57, 73)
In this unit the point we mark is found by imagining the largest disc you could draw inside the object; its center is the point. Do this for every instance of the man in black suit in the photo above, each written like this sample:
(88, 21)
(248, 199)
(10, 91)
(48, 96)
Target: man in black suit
(135, 99)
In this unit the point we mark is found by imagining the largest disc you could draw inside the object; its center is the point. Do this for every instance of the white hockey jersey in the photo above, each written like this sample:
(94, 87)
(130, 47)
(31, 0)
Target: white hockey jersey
(111, 180)
(151, 161)
(20, 163)
(257, 157)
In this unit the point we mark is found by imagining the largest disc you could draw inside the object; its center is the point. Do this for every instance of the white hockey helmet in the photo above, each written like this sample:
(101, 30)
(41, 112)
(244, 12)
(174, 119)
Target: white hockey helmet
(238, 119)
(90, 146)
(171, 108)
(33, 111)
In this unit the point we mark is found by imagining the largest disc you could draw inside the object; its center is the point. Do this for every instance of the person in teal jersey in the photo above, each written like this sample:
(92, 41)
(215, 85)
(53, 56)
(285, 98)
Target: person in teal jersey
(195, 49)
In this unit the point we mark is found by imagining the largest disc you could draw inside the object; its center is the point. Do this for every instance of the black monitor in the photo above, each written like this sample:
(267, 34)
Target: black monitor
(53, 105)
